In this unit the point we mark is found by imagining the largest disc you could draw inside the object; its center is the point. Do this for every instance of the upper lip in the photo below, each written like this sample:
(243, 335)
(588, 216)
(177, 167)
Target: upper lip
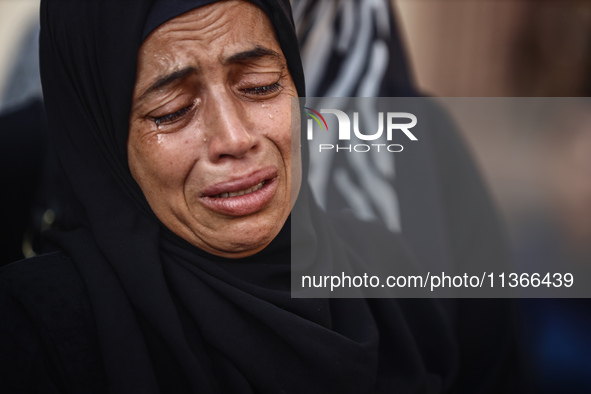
(240, 182)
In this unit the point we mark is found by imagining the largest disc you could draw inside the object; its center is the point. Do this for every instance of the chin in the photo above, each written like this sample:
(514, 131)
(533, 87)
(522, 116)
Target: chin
(245, 239)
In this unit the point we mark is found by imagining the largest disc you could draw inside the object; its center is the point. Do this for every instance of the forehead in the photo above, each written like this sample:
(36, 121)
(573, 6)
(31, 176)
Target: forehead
(216, 30)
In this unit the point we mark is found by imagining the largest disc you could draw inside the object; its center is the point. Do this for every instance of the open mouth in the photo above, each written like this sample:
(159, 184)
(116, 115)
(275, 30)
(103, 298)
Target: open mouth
(240, 192)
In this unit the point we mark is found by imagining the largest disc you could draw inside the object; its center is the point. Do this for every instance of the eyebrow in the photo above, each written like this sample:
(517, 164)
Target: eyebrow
(165, 80)
(255, 53)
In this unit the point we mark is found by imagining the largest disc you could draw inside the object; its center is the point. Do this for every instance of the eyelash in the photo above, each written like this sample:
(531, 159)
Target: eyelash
(259, 90)
(171, 117)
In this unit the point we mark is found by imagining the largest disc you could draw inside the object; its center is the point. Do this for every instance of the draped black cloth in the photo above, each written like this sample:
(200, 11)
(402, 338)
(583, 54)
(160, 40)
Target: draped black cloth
(168, 317)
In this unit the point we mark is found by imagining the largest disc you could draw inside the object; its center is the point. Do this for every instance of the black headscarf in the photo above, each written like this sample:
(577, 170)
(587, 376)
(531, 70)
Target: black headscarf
(169, 317)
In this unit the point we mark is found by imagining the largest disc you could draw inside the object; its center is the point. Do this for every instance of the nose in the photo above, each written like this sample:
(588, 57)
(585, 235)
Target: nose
(229, 134)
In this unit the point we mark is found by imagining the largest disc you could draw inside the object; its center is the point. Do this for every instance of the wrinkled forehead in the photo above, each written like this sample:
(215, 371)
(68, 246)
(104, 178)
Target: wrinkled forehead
(219, 37)
(226, 21)
(163, 11)
(277, 11)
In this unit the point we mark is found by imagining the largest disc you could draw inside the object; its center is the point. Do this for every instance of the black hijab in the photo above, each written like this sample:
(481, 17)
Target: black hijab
(169, 317)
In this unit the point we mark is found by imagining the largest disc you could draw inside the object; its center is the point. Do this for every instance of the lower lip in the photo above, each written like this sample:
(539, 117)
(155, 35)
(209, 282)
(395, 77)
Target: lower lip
(247, 204)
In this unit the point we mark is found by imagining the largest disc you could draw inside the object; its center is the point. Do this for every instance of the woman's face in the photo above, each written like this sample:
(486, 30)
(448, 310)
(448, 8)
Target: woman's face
(210, 139)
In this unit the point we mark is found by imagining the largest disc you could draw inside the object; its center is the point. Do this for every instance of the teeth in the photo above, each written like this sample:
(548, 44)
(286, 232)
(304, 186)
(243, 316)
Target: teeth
(240, 192)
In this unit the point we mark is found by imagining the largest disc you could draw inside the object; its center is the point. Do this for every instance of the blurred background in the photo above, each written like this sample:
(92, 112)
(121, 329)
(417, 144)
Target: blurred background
(501, 48)
(541, 181)
(19, 27)
(540, 177)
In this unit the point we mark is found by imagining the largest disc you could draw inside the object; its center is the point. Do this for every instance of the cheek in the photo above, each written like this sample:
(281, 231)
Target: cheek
(285, 136)
(296, 157)
(279, 129)
(161, 161)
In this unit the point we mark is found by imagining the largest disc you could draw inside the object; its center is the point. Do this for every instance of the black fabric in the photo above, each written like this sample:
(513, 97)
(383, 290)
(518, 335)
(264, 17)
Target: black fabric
(31, 182)
(48, 340)
(23, 154)
(168, 317)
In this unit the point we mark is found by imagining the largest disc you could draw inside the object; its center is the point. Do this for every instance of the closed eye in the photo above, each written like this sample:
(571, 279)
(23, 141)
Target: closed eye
(170, 118)
(263, 90)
